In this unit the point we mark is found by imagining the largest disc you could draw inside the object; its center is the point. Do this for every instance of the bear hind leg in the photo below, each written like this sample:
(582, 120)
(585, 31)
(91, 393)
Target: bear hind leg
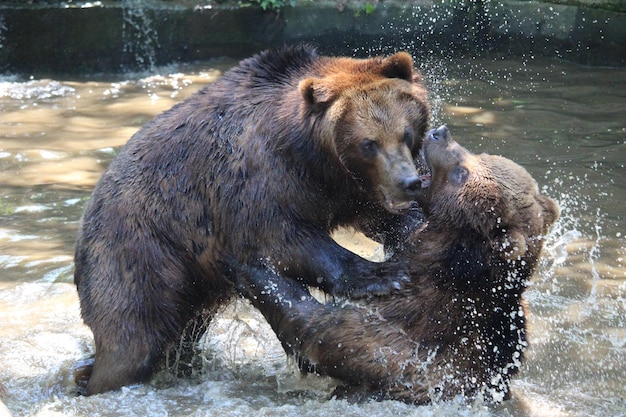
(114, 368)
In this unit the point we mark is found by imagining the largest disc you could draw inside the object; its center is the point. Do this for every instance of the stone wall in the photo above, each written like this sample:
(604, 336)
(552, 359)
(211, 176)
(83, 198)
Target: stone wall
(51, 37)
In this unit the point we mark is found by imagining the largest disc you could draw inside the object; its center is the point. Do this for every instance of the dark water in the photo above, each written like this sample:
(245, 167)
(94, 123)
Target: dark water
(565, 123)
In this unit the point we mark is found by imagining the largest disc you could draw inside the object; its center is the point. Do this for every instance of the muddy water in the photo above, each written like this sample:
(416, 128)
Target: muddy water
(565, 123)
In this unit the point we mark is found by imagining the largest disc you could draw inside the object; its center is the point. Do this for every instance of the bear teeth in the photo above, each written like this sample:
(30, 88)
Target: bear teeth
(398, 207)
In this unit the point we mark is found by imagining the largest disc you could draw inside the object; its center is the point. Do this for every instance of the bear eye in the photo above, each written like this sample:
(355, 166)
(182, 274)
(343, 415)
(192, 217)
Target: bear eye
(408, 137)
(369, 148)
(459, 175)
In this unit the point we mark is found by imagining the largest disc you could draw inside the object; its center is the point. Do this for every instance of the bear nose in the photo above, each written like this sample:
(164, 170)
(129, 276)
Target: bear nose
(438, 134)
(411, 184)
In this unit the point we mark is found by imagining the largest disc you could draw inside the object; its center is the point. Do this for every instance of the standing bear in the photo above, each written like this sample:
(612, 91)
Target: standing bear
(459, 326)
(256, 169)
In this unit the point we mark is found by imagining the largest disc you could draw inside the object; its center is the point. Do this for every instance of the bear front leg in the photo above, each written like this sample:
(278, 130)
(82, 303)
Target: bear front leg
(324, 264)
(350, 343)
(276, 297)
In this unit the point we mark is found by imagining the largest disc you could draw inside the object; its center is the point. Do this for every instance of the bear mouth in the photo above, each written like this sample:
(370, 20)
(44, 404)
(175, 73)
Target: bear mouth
(401, 203)
(397, 207)
(426, 179)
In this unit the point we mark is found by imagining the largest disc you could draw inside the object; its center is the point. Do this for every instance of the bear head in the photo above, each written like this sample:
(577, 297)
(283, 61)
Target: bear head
(487, 195)
(374, 114)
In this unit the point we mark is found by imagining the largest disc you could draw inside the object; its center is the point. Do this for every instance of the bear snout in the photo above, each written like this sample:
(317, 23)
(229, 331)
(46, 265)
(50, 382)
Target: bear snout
(398, 195)
(440, 134)
(411, 185)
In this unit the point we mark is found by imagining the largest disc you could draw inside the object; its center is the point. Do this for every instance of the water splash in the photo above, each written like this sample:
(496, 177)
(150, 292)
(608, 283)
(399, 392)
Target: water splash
(139, 34)
(594, 254)
(35, 90)
(3, 29)
(558, 249)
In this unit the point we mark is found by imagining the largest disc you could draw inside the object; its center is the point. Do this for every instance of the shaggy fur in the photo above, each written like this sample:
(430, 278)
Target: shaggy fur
(258, 168)
(459, 327)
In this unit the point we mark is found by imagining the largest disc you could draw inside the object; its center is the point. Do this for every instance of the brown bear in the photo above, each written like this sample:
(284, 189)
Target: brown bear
(258, 168)
(459, 327)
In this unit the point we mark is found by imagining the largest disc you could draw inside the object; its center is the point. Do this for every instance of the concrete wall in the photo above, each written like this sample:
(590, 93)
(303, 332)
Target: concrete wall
(51, 37)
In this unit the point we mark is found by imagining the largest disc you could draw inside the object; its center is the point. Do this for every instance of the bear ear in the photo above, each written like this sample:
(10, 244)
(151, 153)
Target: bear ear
(459, 175)
(316, 91)
(512, 245)
(399, 65)
(550, 210)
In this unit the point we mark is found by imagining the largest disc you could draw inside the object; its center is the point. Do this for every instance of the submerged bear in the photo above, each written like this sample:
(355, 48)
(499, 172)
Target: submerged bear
(459, 326)
(257, 169)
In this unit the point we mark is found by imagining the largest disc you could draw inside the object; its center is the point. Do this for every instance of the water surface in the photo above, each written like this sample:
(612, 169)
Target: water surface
(565, 123)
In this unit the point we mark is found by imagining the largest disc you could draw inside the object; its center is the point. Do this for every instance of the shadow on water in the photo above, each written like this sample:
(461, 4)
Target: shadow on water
(564, 122)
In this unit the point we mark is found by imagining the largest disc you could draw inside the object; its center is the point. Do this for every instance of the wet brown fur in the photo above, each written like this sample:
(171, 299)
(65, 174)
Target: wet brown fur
(257, 168)
(460, 326)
